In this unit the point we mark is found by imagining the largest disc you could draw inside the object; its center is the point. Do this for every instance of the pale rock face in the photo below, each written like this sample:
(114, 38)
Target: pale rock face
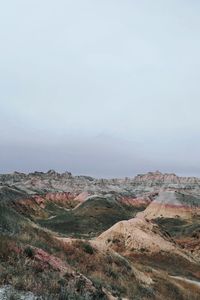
(159, 178)
(39, 182)
(138, 234)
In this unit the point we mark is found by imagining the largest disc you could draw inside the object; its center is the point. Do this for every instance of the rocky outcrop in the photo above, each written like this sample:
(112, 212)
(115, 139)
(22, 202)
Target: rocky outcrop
(157, 178)
(137, 234)
(172, 204)
(53, 182)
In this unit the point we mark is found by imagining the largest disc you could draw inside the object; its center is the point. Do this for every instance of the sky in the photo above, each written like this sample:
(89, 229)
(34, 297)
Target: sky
(103, 88)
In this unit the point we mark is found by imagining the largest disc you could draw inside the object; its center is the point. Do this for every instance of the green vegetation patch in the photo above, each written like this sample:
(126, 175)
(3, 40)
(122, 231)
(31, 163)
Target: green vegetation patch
(89, 219)
(179, 228)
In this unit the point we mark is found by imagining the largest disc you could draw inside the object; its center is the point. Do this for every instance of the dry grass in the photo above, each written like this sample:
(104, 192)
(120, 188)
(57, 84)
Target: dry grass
(167, 262)
(23, 272)
(104, 269)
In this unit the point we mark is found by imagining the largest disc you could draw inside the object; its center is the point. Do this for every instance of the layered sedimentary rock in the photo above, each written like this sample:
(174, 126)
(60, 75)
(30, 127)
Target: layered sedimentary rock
(144, 231)
(171, 204)
(55, 182)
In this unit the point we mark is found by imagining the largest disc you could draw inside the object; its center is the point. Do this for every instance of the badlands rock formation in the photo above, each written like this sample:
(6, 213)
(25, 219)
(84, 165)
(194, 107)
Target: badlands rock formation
(172, 204)
(131, 238)
(137, 234)
(157, 178)
(52, 181)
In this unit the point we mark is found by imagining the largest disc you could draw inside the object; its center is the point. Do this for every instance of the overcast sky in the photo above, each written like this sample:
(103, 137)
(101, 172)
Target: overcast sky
(108, 88)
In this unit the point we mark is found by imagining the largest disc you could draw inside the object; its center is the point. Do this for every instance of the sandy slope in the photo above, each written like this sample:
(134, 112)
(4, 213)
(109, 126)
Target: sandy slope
(138, 234)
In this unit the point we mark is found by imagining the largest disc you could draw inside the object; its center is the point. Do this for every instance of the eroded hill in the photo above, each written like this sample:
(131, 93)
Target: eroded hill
(77, 237)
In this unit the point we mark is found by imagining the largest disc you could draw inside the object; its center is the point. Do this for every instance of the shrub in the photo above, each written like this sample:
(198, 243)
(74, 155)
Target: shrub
(88, 248)
(111, 273)
(29, 252)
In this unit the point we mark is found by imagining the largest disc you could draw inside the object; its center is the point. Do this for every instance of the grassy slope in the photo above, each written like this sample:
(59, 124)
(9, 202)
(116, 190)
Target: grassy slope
(179, 227)
(10, 220)
(90, 218)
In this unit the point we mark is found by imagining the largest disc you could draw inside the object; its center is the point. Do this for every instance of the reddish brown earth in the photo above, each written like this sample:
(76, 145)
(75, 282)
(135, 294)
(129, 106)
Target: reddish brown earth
(136, 202)
(37, 205)
(64, 197)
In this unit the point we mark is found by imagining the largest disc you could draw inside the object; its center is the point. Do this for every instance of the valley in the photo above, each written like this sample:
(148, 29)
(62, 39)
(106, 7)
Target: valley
(77, 237)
